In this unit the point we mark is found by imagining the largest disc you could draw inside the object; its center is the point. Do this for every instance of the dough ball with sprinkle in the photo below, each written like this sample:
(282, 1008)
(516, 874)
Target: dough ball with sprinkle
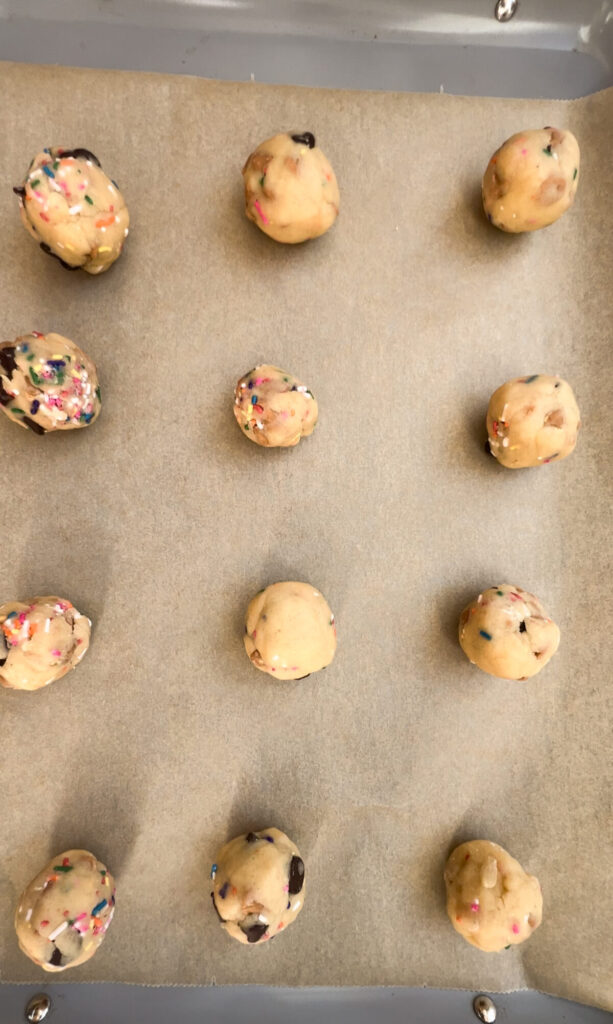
(532, 421)
(47, 383)
(491, 901)
(507, 633)
(531, 180)
(291, 191)
(273, 408)
(258, 885)
(63, 914)
(40, 641)
(72, 209)
(290, 630)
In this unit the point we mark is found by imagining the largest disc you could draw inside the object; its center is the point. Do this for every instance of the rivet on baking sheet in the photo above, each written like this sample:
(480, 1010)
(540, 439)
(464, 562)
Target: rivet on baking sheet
(38, 1008)
(505, 9)
(484, 1009)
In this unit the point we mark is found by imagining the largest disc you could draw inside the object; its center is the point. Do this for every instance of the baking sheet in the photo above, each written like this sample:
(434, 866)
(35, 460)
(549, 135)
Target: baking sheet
(161, 521)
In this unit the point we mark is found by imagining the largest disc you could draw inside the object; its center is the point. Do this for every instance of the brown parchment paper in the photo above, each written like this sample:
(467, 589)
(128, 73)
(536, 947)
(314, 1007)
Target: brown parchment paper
(161, 521)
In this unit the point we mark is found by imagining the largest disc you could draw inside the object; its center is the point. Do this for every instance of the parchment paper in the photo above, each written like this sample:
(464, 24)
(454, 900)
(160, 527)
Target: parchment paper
(161, 521)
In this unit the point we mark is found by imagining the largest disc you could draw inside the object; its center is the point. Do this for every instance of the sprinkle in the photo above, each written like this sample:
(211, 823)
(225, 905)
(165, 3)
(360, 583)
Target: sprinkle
(475, 906)
(43, 216)
(263, 176)
(65, 866)
(57, 931)
(99, 906)
(88, 200)
(528, 380)
(47, 170)
(104, 222)
(104, 248)
(280, 926)
(263, 216)
(486, 636)
(213, 870)
(254, 399)
(547, 150)
(286, 888)
(515, 929)
(223, 892)
(269, 839)
(44, 924)
(58, 654)
(37, 182)
(16, 409)
(575, 174)
(74, 209)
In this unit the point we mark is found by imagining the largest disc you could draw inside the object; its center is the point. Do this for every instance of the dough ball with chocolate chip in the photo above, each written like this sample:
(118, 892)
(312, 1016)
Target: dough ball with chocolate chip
(290, 630)
(273, 408)
(40, 641)
(258, 885)
(47, 383)
(507, 633)
(73, 210)
(532, 420)
(64, 912)
(491, 901)
(290, 188)
(531, 180)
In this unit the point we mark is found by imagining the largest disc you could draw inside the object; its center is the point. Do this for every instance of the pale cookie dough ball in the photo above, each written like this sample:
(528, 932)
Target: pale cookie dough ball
(47, 383)
(73, 210)
(258, 885)
(532, 420)
(65, 911)
(531, 180)
(507, 633)
(273, 408)
(290, 188)
(491, 901)
(290, 631)
(40, 641)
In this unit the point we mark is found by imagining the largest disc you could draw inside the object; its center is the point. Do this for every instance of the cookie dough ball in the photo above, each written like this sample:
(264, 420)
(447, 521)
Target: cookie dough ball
(47, 383)
(64, 913)
(290, 188)
(290, 631)
(73, 210)
(507, 633)
(531, 180)
(532, 420)
(273, 408)
(491, 901)
(40, 641)
(258, 885)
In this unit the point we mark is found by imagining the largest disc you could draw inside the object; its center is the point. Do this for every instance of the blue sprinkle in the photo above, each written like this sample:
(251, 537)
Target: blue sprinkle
(115, 183)
(47, 170)
(11, 615)
(268, 839)
(528, 380)
(45, 151)
(34, 407)
(223, 892)
(288, 905)
(486, 636)
(56, 362)
(250, 385)
(213, 870)
(87, 416)
(254, 399)
(25, 347)
(99, 906)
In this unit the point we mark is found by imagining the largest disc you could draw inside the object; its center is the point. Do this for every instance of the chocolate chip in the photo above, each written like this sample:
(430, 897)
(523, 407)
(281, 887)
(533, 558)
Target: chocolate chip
(306, 139)
(251, 837)
(255, 932)
(296, 875)
(56, 958)
(522, 627)
(79, 154)
(216, 910)
(19, 190)
(49, 251)
(33, 425)
(7, 360)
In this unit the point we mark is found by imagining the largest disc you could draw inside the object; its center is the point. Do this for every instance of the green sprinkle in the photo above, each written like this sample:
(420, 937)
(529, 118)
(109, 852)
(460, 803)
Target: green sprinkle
(286, 379)
(63, 867)
(56, 165)
(36, 182)
(30, 358)
(34, 376)
(98, 393)
(508, 947)
(15, 409)
(499, 592)
(88, 200)
(246, 426)
(547, 151)
(262, 179)
(575, 174)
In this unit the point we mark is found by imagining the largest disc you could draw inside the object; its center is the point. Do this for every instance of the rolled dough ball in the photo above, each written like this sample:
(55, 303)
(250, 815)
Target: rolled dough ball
(532, 420)
(531, 180)
(290, 188)
(40, 641)
(273, 408)
(73, 210)
(290, 631)
(491, 901)
(507, 633)
(47, 383)
(258, 885)
(64, 912)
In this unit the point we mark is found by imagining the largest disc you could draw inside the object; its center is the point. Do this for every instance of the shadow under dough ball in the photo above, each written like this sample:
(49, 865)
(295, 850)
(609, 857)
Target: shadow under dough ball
(532, 421)
(64, 912)
(73, 210)
(40, 641)
(531, 180)
(290, 630)
(491, 901)
(291, 191)
(47, 383)
(258, 885)
(273, 408)
(506, 632)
